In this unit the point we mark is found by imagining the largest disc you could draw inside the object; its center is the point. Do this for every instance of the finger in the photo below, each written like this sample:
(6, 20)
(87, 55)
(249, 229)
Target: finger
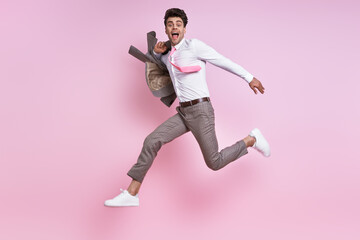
(254, 89)
(261, 89)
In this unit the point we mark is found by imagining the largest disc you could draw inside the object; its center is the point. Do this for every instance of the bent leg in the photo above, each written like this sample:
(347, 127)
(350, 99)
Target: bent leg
(200, 120)
(166, 132)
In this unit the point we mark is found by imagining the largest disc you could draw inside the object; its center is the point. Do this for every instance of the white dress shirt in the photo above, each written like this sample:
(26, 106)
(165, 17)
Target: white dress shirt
(190, 52)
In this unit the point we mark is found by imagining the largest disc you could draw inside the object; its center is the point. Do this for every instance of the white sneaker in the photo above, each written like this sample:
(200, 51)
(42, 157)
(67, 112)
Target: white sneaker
(261, 144)
(124, 199)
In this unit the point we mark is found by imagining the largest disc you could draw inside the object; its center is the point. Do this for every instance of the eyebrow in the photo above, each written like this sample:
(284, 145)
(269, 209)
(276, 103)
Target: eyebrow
(178, 21)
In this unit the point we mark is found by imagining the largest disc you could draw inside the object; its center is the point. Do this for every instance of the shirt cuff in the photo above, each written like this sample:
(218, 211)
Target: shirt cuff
(157, 54)
(249, 77)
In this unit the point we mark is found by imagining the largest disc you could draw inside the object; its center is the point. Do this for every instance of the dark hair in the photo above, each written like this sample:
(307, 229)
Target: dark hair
(176, 12)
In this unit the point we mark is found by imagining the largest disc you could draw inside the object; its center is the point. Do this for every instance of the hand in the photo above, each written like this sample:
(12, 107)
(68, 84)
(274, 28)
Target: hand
(256, 84)
(160, 47)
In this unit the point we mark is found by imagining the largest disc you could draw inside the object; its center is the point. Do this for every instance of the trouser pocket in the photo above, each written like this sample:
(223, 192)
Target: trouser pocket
(178, 109)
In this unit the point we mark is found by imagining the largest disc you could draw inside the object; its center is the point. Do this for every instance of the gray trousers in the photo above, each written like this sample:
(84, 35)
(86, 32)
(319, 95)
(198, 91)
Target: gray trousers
(200, 120)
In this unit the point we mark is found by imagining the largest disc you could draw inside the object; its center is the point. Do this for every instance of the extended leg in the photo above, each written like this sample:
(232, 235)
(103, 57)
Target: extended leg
(166, 132)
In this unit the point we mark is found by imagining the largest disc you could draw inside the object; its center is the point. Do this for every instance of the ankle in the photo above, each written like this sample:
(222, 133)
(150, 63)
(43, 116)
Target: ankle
(132, 192)
(249, 141)
(134, 187)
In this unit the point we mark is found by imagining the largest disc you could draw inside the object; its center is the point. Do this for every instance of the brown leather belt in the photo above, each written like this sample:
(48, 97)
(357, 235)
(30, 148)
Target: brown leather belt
(193, 102)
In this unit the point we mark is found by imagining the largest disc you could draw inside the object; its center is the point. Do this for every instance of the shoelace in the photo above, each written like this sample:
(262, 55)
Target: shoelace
(122, 192)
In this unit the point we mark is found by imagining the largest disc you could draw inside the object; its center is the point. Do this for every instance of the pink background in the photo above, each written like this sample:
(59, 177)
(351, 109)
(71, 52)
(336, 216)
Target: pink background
(74, 110)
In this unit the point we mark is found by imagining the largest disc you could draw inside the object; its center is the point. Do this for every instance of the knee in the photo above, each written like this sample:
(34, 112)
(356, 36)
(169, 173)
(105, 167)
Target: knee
(213, 165)
(152, 142)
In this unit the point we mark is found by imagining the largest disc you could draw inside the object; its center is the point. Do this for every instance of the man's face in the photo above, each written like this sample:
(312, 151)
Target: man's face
(175, 30)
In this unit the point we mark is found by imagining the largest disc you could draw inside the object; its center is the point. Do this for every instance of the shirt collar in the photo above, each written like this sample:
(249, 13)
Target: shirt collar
(179, 44)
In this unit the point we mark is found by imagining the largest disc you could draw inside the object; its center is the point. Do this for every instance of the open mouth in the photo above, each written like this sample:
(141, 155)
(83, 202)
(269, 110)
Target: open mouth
(175, 35)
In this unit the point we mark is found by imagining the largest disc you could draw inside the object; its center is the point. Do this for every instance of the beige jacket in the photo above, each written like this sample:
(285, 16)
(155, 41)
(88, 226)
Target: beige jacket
(156, 74)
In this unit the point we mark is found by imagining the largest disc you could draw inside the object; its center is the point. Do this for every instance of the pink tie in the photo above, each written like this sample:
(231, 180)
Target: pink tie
(187, 69)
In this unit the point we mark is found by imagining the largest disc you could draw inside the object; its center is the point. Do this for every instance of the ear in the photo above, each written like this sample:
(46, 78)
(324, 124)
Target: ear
(184, 30)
